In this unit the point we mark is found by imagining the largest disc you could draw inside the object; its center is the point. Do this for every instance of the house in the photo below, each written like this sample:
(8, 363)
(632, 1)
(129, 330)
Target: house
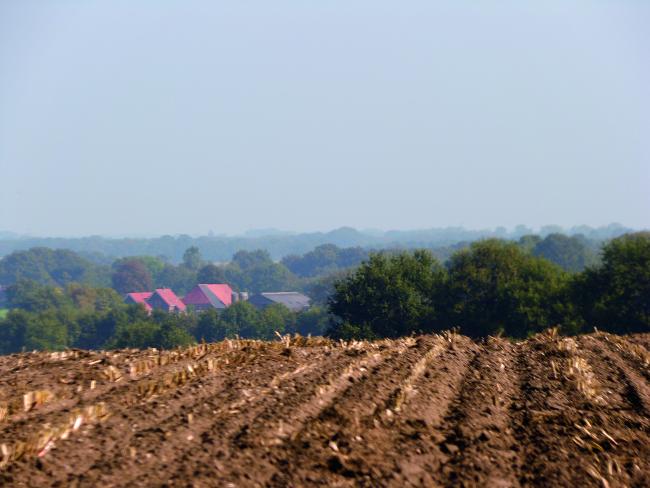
(165, 299)
(140, 297)
(293, 300)
(207, 296)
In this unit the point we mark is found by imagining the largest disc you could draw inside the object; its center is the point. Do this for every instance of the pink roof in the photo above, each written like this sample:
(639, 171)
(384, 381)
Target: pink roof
(140, 297)
(223, 292)
(170, 298)
(210, 294)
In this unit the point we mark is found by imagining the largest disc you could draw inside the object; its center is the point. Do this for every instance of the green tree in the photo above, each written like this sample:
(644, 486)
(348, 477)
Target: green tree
(275, 318)
(321, 288)
(211, 273)
(388, 296)
(210, 327)
(192, 258)
(571, 253)
(23, 330)
(88, 298)
(313, 321)
(495, 287)
(173, 334)
(255, 271)
(616, 295)
(34, 297)
(243, 319)
(54, 267)
(181, 279)
(131, 275)
(140, 334)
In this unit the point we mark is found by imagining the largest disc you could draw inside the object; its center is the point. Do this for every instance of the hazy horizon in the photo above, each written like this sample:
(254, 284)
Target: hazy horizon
(272, 232)
(149, 119)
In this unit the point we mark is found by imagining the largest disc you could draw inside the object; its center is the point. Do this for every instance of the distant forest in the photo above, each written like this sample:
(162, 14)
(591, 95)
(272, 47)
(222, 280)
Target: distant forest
(58, 298)
(279, 244)
(253, 271)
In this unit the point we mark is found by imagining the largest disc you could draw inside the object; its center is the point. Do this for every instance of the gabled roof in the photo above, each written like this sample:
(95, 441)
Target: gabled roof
(290, 299)
(220, 291)
(170, 298)
(215, 295)
(139, 297)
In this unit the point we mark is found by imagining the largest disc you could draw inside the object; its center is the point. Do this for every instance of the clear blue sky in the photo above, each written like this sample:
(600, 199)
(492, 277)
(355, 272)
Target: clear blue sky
(154, 117)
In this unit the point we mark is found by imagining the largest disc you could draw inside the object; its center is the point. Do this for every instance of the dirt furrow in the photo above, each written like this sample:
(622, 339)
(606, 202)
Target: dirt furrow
(565, 399)
(259, 437)
(548, 412)
(224, 433)
(436, 410)
(400, 446)
(477, 435)
(66, 388)
(629, 371)
(634, 354)
(310, 454)
(640, 339)
(97, 388)
(621, 426)
(99, 444)
(184, 430)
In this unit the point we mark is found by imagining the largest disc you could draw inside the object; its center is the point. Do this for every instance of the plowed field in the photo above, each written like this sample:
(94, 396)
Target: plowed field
(439, 410)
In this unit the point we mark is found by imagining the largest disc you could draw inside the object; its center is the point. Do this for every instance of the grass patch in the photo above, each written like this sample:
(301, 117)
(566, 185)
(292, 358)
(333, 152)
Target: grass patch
(3, 313)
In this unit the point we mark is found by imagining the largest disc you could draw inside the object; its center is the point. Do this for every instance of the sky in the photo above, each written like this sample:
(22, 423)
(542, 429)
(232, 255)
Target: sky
(122, 117)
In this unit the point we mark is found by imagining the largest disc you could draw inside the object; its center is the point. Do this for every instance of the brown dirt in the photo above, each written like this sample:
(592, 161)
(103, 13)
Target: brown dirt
(438, 410)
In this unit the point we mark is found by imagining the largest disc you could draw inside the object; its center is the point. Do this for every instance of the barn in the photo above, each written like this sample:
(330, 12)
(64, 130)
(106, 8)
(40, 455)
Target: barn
(165, 299)
(209, 296)
(139, 298)
(293, 300)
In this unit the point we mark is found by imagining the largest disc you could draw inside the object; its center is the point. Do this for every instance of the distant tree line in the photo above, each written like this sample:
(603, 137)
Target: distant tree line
(252, 271)
(280, 244)
(79, 316)
(57, 299)
(496, 287)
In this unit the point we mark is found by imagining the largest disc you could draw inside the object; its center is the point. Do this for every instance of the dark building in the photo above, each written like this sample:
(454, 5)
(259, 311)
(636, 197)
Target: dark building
(293, 300)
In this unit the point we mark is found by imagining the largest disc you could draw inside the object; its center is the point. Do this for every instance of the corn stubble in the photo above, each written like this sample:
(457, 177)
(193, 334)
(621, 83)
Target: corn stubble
(601, 426)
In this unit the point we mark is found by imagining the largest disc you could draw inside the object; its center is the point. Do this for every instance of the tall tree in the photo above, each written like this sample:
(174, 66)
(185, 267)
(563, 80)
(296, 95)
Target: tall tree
(388, 296)
(495, 287)
(570, 253)
(211, 273)
(192, 258)
(131, 275)
(616, 295)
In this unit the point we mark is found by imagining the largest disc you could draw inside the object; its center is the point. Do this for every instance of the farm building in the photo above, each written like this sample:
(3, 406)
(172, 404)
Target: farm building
(207, 296)
(165, 299)
(140, 297)
(293, 300)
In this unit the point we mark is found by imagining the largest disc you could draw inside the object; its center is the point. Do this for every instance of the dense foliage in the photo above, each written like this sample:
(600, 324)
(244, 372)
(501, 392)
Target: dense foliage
(495, 287)
(51, 267)
(488, 287)
(279, 244)
(96, 318)
(389, 296)
(324, 259)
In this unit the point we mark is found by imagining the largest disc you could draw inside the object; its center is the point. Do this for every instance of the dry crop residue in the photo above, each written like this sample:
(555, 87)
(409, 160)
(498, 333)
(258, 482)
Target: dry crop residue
(436, 410)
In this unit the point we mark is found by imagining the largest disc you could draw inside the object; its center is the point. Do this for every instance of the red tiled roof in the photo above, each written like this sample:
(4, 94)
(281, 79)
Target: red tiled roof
(222, 291)
(170, 298)
(141, 297)
(215, 295)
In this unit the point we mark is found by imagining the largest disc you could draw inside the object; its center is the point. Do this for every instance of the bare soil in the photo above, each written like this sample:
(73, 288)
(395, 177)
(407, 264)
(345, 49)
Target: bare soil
(437, 410)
